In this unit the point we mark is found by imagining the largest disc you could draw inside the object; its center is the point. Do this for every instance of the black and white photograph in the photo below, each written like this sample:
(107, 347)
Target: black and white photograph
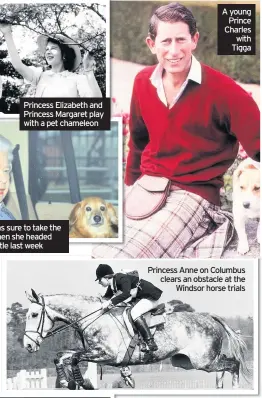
(184, 325)
(53, 50)
(63, 175)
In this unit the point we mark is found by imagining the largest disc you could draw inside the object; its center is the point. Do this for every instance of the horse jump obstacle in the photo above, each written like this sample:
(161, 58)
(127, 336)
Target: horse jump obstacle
(28, 380)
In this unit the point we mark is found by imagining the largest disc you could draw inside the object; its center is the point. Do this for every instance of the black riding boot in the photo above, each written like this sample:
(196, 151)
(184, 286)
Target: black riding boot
(146, 334)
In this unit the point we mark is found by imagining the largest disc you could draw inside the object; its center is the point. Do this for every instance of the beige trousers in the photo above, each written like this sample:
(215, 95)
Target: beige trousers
(143, 306)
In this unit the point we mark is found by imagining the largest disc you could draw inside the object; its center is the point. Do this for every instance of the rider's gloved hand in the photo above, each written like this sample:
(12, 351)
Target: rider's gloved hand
(107, 305)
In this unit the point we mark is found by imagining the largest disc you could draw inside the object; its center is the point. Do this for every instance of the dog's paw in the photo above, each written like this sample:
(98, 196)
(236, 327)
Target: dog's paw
(243, 247)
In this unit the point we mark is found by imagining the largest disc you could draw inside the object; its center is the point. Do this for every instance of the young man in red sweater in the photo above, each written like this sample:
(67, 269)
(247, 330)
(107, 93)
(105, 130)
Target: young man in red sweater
(186, 122)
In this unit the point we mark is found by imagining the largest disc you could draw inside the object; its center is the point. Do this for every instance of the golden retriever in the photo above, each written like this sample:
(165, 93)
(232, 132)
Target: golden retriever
(246, 199)
(93, 217)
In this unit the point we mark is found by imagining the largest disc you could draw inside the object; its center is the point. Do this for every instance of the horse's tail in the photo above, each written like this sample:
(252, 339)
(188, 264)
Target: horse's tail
(237, 346)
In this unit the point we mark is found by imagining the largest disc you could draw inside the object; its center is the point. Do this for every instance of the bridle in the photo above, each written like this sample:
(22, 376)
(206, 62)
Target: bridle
(74, 324)
(40, 327)
(59, 329)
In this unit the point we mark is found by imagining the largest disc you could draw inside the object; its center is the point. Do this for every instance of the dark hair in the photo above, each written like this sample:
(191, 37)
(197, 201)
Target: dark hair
(109, 276)
(68, 54)
(173, 12)
(125, 367)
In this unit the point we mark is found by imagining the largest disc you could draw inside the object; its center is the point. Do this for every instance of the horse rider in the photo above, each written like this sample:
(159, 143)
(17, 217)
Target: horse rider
(125, 380)
(120, 287)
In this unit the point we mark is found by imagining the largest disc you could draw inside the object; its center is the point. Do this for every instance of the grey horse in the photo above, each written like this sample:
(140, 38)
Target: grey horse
(192, 340)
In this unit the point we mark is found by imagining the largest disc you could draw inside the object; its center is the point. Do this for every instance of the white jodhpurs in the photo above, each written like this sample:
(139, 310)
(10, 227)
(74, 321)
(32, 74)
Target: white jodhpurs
(143, 306)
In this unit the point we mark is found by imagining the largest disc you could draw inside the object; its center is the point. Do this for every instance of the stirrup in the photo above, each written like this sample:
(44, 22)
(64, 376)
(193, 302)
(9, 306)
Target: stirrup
(152, 345)
(143, 347)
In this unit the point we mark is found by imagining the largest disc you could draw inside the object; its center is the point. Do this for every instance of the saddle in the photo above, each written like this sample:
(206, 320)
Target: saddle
(153, 318)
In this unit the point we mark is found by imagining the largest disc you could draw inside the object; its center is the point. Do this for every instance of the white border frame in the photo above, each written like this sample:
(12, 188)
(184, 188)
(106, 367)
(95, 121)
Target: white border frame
(113, 392)
(103, 2)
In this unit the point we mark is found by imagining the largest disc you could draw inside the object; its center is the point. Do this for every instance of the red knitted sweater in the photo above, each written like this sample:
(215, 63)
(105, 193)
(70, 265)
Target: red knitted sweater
(195, 141)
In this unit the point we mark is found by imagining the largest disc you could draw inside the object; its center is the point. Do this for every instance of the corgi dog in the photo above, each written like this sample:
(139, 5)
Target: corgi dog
(246, 200)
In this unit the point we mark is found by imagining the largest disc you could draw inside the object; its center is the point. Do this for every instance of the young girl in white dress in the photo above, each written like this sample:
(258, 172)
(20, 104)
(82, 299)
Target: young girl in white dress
(63, 56)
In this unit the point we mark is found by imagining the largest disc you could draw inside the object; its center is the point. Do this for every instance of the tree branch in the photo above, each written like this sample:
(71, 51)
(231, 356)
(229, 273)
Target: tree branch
(94, 8)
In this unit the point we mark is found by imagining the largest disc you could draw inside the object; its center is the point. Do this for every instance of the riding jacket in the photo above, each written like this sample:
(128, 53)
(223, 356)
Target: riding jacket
(124, 283)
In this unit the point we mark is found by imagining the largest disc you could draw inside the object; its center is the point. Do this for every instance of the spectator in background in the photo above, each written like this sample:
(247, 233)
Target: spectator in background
(125, 380)
(6, 158)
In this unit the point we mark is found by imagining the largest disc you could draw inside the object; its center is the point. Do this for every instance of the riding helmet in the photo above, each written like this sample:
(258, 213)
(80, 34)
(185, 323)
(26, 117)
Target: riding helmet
(103, 270)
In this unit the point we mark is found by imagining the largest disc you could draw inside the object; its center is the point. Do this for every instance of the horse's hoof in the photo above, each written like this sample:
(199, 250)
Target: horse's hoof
(72, 385)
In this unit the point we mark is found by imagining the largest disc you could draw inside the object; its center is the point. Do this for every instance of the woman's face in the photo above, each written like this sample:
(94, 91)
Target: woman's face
(126, 372)
(4, 175)
(53, 54)
(104, 282)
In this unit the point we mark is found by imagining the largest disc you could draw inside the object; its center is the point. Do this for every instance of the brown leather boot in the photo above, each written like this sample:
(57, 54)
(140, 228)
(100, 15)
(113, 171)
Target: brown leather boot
(146, 334)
